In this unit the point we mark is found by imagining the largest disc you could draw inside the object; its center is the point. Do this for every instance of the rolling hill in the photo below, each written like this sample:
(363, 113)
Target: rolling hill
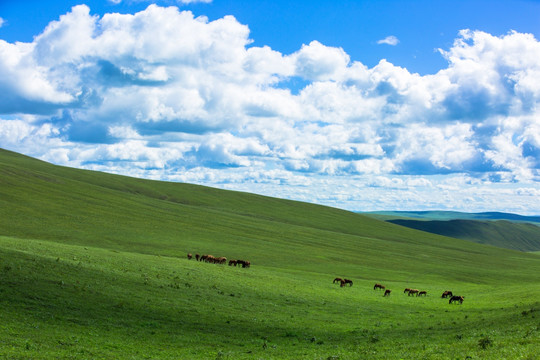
(452, 215)
(501, 233)
(93, 265)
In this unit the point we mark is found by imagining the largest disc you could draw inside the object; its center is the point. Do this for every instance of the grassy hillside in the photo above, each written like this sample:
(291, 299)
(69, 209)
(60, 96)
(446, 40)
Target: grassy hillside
(501, 233)
(93, 267)
(452, 215)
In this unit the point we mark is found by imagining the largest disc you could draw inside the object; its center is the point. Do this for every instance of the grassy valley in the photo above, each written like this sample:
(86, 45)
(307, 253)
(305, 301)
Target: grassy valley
(94, 266)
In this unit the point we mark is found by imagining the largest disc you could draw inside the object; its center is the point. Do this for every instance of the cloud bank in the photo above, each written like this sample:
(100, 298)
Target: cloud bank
(166, 95)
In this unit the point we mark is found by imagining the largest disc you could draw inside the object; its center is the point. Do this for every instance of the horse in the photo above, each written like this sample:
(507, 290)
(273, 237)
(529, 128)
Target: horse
(378, 286)
(189, 256)
(203, 258)
(209, 258)
(422, 293)
(244, 263)
(456, 298)
(337, 280)
(232, 262)
(446, 294)
(220, 260)
(387, 292)
(197, 256)
(347, 281)
(407, 290)
(413, 292)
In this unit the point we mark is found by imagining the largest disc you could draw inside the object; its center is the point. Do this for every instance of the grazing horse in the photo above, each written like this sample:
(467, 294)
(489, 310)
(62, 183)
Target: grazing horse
(347, 281)
(203, 258)
(189, 256)
(413, 292)
(232, 262)
(446, 294)
(422, 293)
(210, 258)
(378, 286)
(197, 256)
(407, 290)
(220, 260)
(456, 298)
(387, 292)
(337, 280)
(244, 263)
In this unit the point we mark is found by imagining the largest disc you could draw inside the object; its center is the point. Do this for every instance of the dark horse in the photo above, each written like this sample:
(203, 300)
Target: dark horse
(337, 280)
(456, 298)
(413, 292)
(378, 286)
(387, 292)
(407, 290)
(422, 293)
(347, 281)
(446, 294)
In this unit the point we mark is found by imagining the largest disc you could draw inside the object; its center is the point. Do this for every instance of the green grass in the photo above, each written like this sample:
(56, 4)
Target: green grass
(93, 266)
(501, 233)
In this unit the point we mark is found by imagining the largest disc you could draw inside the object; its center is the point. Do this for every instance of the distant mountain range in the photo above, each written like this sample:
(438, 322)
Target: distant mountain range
(506, 230)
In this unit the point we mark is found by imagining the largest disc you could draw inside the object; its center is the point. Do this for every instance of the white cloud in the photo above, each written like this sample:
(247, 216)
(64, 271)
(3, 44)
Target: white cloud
(193, 1)
(2, 22)
(163, 89)
(389, 40)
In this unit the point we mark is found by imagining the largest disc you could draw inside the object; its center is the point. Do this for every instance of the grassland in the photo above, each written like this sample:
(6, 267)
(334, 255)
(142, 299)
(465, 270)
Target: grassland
(501, 233)
(93, 266)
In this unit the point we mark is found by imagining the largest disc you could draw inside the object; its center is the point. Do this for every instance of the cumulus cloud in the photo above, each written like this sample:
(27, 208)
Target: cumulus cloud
(161, 92)
(389, 40)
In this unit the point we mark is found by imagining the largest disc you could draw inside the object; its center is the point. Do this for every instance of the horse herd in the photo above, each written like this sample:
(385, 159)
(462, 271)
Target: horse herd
(410, 292)
(219, 260)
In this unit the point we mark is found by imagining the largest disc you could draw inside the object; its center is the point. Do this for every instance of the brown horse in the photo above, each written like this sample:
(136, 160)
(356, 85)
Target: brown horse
(347, 281)
(446, 294)
(244, 263)
(413, 292)
(379, 286)
(220, 260)
(232, 262)
(337, 280)
(456, 298)
(387, 292)
(197, 256)
(407, 290)
(189, 256)
(422, 293)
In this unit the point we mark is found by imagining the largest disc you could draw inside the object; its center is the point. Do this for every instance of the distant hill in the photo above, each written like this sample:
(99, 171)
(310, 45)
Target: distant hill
(452, 215)
(501, 233)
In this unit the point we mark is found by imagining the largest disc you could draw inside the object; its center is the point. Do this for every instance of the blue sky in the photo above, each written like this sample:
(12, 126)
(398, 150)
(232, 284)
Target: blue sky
(363, 105)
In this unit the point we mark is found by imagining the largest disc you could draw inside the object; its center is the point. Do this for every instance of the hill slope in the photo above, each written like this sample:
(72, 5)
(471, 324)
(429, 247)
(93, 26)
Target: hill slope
(42, 201)
(501, 233)
(452, 215)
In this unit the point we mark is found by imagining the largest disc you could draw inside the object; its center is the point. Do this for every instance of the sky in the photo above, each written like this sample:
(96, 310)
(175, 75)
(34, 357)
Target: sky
(361, 105)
